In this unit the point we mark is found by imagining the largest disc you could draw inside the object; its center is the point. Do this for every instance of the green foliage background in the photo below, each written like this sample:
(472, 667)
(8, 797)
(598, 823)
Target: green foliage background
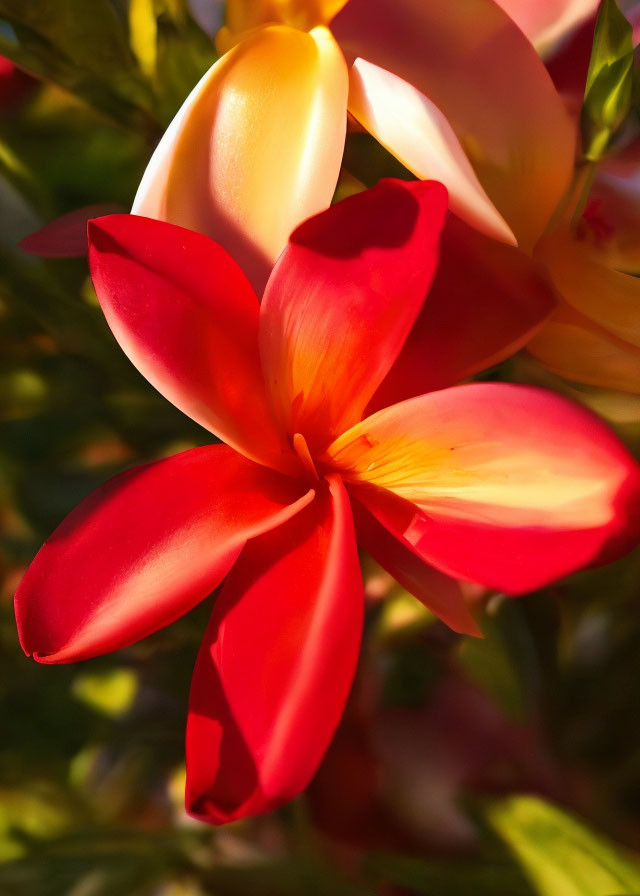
(517, 767)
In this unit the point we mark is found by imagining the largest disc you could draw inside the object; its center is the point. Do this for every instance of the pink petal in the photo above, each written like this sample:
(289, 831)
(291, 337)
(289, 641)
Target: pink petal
(505, 485)
(413, 128)
(144, 548)
(487, 301)
(341, 301)
(546, 22)
(478, 68)
(185, 314)
(276, 665)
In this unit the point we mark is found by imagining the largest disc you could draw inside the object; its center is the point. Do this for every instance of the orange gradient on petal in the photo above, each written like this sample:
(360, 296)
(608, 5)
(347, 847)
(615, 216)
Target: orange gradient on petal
(452, 453)
(257, 146)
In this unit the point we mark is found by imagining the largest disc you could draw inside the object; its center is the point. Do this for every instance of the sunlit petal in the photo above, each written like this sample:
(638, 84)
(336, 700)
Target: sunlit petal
(545, 22)
(144, 549)
(475, 64)
(487, 466)
(341, 301)
(412, 128)
(276, 665)
(256, 147)
(187, 317)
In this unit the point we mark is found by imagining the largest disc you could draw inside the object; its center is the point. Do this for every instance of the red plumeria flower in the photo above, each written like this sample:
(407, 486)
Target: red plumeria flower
(508, 486)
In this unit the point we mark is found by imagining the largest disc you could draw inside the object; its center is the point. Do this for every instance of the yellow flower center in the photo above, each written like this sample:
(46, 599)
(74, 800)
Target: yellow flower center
(243, 15)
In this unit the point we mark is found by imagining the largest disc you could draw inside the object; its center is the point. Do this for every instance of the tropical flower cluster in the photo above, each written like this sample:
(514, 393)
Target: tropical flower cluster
(330, 348)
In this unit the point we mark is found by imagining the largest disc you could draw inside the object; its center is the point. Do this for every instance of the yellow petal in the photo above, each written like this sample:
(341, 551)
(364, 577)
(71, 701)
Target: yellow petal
(414, 130)
(256, 147)
(577, 349)
(607, 297)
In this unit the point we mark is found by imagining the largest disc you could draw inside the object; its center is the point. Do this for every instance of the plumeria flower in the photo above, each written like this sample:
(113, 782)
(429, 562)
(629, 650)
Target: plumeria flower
(507, 486)
(455, 91)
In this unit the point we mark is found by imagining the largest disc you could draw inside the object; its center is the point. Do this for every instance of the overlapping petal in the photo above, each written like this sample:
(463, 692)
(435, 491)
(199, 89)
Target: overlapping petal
(410, 126)
(611, 221)
(486, 302)
(606, 296)
(574, 347)
(276, 665)
(546, 22)
(386, 543)
(341, 301)
(66, 236)
(495, 471)
(475, 64)
(256, 148)
(144, 548)
(187, 317)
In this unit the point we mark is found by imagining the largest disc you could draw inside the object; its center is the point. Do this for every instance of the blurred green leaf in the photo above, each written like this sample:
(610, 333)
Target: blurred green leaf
(560, 855)
(491, 877)
(110, 692)
(503, 663)
(608, 91)
(143, 30)
(83, 47)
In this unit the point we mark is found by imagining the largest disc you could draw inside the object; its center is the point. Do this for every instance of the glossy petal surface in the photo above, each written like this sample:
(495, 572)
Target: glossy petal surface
(276, 665)
(144, 548)
(574, 347)
(186, 316)
(486, 302)
(475, 64)
(416, 132)
(256, 147)
(341, 301)
(497, 472)
(388, 546)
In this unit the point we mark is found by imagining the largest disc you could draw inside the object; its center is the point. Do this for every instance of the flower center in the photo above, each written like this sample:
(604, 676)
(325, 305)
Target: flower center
(302, 450)
(304, 14)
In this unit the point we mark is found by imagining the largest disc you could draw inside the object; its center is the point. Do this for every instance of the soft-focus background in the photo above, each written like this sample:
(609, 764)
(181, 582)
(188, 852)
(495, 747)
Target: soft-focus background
(509, 766)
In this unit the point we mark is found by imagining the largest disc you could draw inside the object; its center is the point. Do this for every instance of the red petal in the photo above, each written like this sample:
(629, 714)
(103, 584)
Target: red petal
(185, 314)
(341, 301)
(486, 303)
(143, 549)
(276, 665)
(508, 486)
(66, 237)
(386, 543)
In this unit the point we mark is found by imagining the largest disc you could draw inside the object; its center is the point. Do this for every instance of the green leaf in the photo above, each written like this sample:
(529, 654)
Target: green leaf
(559, 854)
(83, 48)
(143, 35)
(489, 876)
(608, 91)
